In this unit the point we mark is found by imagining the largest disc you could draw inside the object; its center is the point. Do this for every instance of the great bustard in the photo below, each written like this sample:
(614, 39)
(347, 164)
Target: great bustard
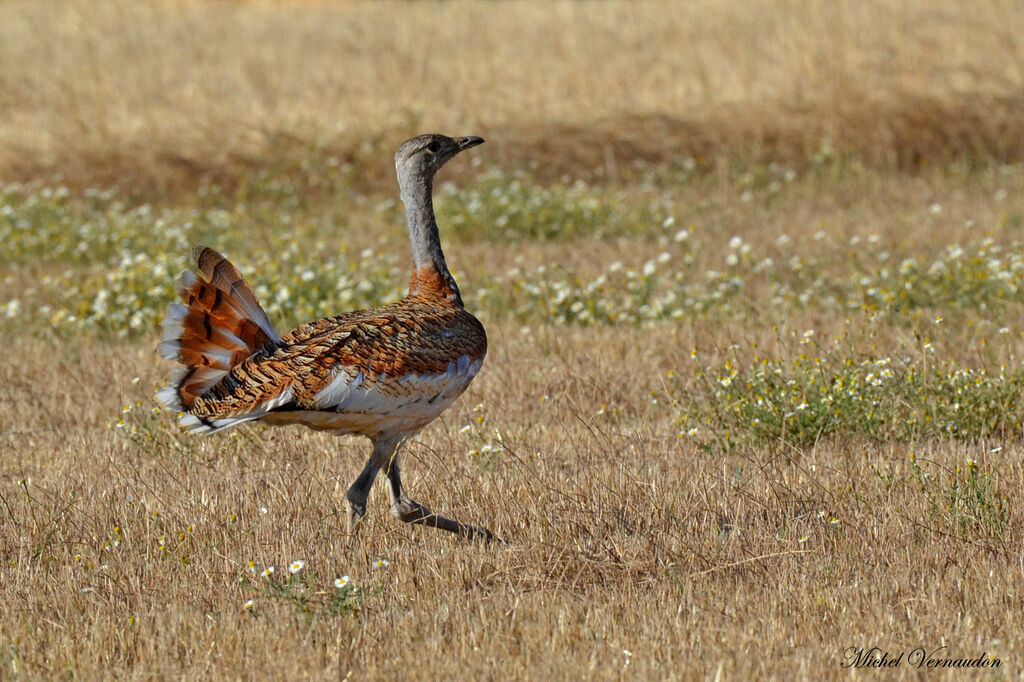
(383, 373)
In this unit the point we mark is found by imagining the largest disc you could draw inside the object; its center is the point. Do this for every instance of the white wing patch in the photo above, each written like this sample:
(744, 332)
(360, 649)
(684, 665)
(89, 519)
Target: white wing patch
(421, 396)
(338, 391)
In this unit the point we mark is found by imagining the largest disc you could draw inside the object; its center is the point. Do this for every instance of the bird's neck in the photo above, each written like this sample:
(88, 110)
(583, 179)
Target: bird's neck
(430, 276)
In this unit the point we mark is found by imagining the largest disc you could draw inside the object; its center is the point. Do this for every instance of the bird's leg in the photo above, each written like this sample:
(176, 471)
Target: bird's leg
(357, 494)
(411, 511)
(360, 490)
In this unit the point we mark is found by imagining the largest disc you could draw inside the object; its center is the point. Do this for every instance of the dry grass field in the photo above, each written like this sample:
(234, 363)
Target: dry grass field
(753, 280)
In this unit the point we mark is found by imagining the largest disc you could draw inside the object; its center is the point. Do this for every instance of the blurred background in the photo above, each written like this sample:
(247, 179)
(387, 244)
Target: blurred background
(150, 94)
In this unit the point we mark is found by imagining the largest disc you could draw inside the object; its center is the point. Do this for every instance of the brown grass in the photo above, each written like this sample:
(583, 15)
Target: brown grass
(622, 538)
(165, 94)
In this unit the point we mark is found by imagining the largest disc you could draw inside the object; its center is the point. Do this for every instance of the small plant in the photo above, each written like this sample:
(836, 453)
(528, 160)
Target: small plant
(814, 391)
(964, 499)
(298, 587)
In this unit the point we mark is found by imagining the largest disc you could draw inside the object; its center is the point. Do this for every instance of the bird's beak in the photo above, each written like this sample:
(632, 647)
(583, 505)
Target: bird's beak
(465, 143)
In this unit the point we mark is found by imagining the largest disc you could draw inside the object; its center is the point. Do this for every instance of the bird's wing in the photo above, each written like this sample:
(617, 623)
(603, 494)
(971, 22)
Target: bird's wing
(368, 362)
(360, 362)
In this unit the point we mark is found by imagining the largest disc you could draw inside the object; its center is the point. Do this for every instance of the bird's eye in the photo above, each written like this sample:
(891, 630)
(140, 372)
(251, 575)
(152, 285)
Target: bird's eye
(433, 147)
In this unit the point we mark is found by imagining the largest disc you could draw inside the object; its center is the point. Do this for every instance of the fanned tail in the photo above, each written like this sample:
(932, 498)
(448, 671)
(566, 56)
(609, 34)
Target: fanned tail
(220, 325)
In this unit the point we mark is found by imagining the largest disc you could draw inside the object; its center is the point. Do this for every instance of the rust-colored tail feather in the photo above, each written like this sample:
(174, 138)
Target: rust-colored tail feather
(226, 278)
(220, 325)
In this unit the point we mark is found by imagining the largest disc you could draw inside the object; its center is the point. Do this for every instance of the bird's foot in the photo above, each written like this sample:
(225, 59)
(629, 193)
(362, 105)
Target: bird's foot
(356, 512)
(480, 533)
(410, 511)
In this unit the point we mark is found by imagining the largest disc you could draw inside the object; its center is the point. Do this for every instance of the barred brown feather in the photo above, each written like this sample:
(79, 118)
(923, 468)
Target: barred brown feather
(220, 325)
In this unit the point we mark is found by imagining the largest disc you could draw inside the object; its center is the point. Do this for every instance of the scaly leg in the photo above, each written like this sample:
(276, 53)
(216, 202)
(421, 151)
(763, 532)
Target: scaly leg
(383, 452)
(410, 511)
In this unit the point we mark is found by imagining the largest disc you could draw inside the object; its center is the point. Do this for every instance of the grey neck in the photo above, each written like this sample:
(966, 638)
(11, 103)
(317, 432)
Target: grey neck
(417, 194)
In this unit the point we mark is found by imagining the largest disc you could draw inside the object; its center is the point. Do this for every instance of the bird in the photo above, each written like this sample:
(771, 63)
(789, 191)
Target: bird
(383, 373)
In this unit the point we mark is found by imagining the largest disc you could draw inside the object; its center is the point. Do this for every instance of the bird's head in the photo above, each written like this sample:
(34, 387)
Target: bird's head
(425, 154)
